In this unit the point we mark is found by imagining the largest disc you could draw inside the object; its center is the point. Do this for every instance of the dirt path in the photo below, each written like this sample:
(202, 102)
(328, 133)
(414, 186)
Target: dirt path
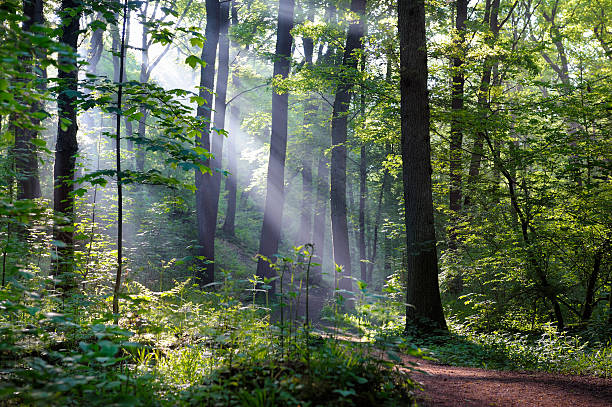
(448, 386)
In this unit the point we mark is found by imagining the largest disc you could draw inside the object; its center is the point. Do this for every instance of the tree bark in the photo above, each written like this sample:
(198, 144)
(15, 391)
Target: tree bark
(340, 234)
(26, 158)
(372, 262)
(66, 146)
(205, 271)
(320, 218)
(96, 47)
(491, 17)
(457, 123)
(275, 197)
(306, 215)
(423, 292)
(232, 160)
(306, 209)
(211, 183)
(589, 300)
(362, 209)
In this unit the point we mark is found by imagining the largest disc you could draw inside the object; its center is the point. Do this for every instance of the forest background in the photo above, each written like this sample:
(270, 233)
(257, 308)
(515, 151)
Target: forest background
(296, 118)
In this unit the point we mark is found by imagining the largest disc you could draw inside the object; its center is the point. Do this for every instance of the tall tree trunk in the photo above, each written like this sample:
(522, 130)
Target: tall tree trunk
(379, 211)
(491, 17)
(340, 234)
(457, 123)
(96, 47)
(26, 158)
(205, 271)
(66, 146)
(306, 208)
(320, 218)
(118, 273)
(144, 78)
(423, 292)
(211, 183)
(310, 108)
(231, 181)
(275, 197)
(589, 300)
(363, 192)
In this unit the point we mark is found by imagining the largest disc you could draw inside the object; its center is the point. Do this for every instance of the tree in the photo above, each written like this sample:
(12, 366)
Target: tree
(206, 240)
(66, 146)
(26, 158)
(232, 159)
(456, 123)
(211, 183)
(422, 289)
(491, 15)
(310, 107)
(273, 210)
(340, 237)
(118, 274)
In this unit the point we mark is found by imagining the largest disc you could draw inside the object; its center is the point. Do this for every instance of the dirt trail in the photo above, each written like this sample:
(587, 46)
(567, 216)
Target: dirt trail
(448, 386)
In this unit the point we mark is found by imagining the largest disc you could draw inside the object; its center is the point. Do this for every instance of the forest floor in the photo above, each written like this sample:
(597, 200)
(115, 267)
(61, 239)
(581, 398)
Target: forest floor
(451, 386)
(456, 386)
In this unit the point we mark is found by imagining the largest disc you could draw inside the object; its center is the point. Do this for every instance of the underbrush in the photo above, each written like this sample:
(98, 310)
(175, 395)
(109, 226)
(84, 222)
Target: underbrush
(549, 351)
(183, 346)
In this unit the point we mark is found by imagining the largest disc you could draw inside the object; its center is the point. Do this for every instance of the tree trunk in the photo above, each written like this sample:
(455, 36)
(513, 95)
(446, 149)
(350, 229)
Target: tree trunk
(232, 160)
(589, 300)
(231, 181)
(310, 108)
(275, 197)
(144, 78)
(372, 262)
(66, 146)
(211, 183)
(362, 209)
(423, 292)
(306, 209)
(320, 218)
(96, 47)
(340, 236)
(491, 17)
(205, 271)
(118, 275)
(457, 124)
(26, 158)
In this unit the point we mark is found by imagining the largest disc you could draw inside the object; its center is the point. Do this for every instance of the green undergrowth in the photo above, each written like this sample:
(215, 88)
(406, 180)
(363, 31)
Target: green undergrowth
(379, 319)
(184, 347)
(547, 350)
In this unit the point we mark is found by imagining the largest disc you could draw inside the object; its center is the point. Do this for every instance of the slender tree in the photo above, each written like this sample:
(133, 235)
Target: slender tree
(310, 107)
(363, 194)
(66, 146)
(456, 141)
(211, 183)
(363, 187)
(26, 158)
(491, 19)
(118, 274)
(205, 273)
(340, 235)
(219, 120)
(422, 289)
(379, 210)
(320, 214)
(232, 159)
(275, 196)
